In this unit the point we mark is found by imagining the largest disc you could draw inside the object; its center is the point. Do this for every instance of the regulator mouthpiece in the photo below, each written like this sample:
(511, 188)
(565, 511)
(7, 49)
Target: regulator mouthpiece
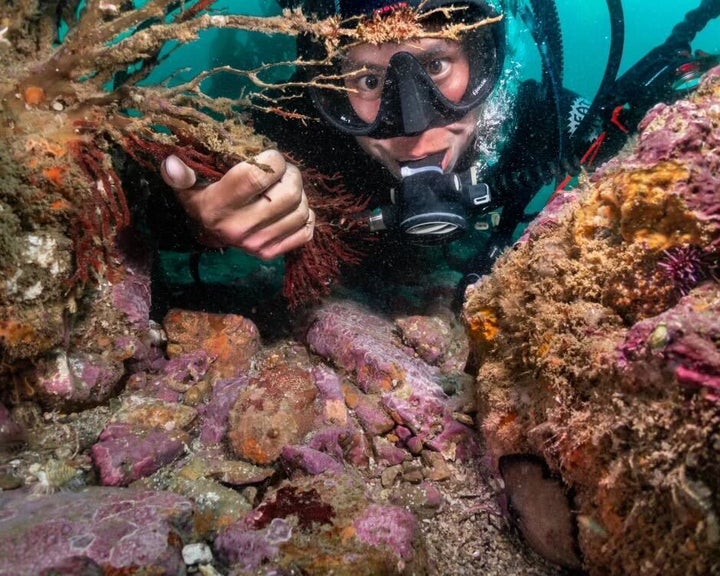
(431, 207)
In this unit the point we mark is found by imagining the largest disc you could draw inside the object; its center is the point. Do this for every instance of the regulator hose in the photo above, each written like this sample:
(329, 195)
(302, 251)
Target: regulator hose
(617, 46)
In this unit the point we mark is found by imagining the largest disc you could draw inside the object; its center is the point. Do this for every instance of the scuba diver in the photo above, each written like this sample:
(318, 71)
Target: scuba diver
(448, 145)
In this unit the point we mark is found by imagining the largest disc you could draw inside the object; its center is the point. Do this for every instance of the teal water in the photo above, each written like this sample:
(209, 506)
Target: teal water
(585, 28)
(648, 23)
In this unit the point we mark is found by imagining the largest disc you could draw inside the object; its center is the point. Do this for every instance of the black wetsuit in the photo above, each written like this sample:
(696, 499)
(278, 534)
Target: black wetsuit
(529, 162)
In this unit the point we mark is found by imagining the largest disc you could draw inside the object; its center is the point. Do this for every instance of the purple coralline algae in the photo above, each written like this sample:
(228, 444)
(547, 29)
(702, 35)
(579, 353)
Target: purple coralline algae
(348, 444)
(126, 453)
(364, 344)
(172, 378)
(214, 414)
(392, 527)
(680, 343)
(247, 549)
(76, 379)
(132, 297)
(429, 336)
(308, 460)
(116, 528)
(367, 346)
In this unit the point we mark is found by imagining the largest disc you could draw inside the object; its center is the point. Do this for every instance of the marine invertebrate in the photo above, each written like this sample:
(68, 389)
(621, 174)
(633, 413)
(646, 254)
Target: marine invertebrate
(686, 266)
(53, 476)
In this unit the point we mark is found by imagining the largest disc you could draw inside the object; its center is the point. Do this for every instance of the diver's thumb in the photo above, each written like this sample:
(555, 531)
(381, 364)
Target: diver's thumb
(177, 174)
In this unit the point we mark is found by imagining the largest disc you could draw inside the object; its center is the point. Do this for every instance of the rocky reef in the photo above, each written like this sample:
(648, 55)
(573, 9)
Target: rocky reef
(349, 445)
(343, 451)
(596, 343)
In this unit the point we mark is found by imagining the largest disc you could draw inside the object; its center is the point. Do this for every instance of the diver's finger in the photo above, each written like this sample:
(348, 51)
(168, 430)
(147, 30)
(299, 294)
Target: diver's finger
(251, 179)
(291, 242)
(252, 230)
(177, 174)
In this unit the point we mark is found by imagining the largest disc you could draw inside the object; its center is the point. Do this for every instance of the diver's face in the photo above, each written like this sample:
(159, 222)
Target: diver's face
(447, 64)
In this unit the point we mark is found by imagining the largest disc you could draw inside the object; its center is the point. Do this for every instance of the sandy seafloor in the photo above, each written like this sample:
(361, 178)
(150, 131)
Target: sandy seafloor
(470, 537)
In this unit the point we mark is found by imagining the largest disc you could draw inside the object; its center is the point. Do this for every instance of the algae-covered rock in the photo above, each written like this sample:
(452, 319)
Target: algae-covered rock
(597, 346)
(119, 530)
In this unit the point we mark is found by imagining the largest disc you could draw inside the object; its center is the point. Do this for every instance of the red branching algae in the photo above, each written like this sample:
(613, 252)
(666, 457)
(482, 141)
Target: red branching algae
(312, 270)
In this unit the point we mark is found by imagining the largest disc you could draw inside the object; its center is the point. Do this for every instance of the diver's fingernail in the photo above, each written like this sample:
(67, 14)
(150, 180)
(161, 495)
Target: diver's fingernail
(177, 174)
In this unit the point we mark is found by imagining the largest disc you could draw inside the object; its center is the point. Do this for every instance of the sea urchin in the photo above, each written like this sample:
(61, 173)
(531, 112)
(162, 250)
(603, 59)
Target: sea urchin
(686, 266)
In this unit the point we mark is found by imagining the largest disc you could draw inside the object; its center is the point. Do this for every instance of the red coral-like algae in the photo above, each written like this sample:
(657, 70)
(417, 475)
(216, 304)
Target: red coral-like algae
(312, 270)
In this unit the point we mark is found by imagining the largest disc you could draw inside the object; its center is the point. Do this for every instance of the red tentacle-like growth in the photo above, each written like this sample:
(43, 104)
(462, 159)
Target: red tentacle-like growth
(104, 214)
(104, 211)
(150, 154)
(312, 270)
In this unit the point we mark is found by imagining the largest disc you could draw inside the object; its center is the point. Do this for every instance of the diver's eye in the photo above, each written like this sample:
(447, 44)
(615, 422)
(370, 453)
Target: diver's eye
(369, 82)
(437, 66)
(366, 85)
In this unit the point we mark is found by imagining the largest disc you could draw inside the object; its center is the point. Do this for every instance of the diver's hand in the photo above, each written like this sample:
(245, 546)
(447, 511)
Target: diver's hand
(259, 207)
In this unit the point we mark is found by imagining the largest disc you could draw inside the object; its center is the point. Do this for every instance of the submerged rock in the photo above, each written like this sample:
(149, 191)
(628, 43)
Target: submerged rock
(231, 339)
(65, 380)
(541, 508)
(596, 342)
(321, 525)
(126, 453)
(274, 409)
(115, 529)
(12, 434)
(407, 389)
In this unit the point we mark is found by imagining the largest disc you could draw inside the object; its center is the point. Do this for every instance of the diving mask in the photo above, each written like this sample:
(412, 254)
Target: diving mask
(408, 95)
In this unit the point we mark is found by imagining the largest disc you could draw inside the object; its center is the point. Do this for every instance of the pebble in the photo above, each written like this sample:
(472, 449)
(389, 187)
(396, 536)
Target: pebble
(197, 553)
